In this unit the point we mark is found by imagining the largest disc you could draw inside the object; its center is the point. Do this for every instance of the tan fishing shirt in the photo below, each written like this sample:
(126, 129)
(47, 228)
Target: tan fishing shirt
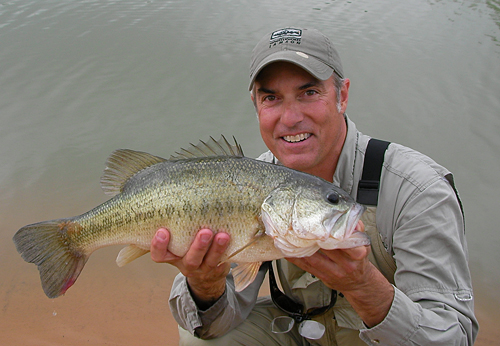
(420, 225)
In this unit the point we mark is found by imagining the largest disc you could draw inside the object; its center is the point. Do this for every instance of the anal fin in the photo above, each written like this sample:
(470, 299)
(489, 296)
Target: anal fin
(128, 254)
(244, 274)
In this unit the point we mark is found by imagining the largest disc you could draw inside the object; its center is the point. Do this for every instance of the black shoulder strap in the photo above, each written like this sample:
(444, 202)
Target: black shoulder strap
(372, 168)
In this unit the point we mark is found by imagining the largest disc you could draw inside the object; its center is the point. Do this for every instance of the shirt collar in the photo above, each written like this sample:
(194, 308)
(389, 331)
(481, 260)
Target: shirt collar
(344, 172)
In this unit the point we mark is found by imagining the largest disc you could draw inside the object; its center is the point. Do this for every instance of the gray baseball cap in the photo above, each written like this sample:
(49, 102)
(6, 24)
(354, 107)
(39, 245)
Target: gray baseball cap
(307, 48)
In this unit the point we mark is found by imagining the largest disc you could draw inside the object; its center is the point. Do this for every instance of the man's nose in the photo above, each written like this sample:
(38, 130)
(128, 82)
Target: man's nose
(291, 114)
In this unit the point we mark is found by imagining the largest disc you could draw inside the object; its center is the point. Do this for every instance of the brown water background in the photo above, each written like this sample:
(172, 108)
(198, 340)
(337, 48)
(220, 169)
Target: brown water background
(79, 79)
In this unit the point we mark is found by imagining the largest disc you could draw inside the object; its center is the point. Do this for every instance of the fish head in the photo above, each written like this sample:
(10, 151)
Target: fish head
(304, 218)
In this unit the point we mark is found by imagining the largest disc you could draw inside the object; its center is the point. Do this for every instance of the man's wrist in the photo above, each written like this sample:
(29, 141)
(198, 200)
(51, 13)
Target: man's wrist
(372, 302)
(206, 297)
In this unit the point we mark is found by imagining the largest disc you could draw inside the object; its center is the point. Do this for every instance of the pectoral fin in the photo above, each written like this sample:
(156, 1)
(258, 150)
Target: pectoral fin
(128, 254)
(244, 274)
(256, 237)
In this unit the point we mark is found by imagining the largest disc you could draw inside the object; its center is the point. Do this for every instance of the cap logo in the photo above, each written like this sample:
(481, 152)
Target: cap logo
(288, 35)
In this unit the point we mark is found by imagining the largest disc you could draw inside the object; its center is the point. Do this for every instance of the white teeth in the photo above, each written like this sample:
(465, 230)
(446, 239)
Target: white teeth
(297, 138)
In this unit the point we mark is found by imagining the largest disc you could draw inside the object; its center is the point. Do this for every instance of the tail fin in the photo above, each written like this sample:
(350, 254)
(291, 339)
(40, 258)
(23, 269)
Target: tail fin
(47, 245)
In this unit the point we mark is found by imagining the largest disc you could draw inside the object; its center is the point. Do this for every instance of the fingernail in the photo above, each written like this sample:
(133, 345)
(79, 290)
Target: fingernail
(222, 241)
(205, 238)
(161, 236)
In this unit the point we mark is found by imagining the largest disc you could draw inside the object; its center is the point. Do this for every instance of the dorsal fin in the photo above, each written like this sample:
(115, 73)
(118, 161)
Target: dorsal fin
(121, 165)
(208, 149)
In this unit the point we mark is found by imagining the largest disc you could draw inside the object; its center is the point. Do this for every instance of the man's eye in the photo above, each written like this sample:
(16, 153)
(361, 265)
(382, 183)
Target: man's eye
(270, 98)
(311, 92)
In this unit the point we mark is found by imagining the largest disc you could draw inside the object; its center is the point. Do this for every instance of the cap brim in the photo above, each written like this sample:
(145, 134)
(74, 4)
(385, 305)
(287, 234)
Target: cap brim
(315, 67)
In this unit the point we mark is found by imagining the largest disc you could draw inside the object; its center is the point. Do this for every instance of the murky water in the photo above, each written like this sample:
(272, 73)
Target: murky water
(79, 79)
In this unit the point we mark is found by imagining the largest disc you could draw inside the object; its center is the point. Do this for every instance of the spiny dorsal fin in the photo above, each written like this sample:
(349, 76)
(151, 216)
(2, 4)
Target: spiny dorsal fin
(123, 164)
(208, 149)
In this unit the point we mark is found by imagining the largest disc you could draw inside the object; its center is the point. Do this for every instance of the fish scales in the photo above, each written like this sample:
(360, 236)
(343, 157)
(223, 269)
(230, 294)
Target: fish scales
(221, 192)
(211, 196)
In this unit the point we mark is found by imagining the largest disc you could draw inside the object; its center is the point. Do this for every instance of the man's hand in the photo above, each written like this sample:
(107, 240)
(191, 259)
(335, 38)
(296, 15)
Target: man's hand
(206, 276)
(349, 271)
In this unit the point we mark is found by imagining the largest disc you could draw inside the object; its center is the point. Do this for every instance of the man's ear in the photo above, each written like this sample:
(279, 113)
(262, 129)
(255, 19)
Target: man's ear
(252, 96)
(344, 95)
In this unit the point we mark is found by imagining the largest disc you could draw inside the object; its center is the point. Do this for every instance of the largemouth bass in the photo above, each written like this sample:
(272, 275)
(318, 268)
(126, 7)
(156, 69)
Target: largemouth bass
(270, 212)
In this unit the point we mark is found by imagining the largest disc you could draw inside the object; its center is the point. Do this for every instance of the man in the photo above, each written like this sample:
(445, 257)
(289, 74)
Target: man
(412, 287)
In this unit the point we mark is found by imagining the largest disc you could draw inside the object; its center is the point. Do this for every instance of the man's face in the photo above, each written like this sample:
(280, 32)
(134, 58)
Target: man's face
(299, 120)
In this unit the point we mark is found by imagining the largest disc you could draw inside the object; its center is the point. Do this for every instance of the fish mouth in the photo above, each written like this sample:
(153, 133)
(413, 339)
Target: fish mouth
(354, 216)
(296, 138)
(335, 222)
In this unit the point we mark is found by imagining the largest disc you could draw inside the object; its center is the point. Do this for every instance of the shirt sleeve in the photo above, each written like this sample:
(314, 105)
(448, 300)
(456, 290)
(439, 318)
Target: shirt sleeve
(231, 309)
(433, 301)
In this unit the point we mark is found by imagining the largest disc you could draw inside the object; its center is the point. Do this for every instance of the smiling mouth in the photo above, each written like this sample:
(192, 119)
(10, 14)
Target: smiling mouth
(297, 138)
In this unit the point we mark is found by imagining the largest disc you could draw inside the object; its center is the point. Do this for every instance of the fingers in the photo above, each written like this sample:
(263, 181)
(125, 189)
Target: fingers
(196, 253)
(356, 253)
(205, 277)
(341, 269)
(317, 264)
(347, 259)
(159, 247)
(360, 226)
(217, 249)
(201, 264)
(206, 251)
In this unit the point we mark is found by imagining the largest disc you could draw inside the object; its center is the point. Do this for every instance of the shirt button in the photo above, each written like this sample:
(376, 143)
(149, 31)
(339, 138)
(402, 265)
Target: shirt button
(376, 341)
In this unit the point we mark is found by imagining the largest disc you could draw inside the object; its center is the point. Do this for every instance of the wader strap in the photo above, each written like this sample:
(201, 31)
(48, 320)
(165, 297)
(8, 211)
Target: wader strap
(368, 190)
(372, 168)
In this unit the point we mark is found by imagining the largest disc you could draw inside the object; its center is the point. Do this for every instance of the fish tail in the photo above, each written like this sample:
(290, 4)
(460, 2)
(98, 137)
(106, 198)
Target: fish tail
(47, 245)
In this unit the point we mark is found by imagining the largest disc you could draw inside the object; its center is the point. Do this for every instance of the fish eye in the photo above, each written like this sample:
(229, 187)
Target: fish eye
(333, 197)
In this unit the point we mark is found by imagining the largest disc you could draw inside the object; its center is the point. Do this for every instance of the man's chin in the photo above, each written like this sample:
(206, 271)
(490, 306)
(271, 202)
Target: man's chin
(297, 162)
